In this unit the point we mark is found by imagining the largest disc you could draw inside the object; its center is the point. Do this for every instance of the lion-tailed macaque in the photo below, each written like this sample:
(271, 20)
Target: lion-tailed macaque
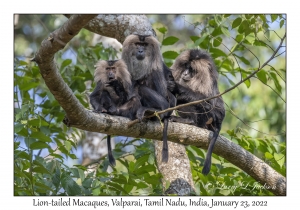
(151, 77)
(196, 79)
(114, 93)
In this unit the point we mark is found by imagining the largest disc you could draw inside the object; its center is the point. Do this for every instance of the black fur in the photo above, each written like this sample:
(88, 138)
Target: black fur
(114, 94)
(190, 86)
(152, 79)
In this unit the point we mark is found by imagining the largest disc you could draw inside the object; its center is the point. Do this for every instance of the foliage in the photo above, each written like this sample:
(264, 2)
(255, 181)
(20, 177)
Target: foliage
(44, 146)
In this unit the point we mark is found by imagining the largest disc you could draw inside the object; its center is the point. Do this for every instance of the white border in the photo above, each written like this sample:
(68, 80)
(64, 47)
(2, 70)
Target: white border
(8, 201)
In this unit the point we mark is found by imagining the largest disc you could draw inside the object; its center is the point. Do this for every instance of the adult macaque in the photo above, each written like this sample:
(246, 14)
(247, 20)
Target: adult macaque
(151, 77)
(196, 79)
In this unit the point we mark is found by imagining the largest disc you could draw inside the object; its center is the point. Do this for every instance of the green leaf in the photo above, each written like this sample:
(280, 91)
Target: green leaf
(57, 156)
(276, 82)
(274, 17)
(56, 177)
(23, 132)
(23, 63)
(239, 37)
(38, 122)
(154, 179)
(241, 29)
(250, 38)
(83, 69)
(71, 187)
(141, 185)
(281, 23)
(217, 52)
(225, 31)
(40, 136)
(65, 63)
(74, 157)
(170, 54)
(87, 183)
(268, 155)
(75, 172)
(167, 184)
(213, 23)
(120, 179)
(131, 166)
(224, 192)
(217, 41)
(228, 65)
(247, 82)
(151, 159)
(260, 43)
(39, 145)
(18, 127)
(262, 75)
(191, 156)
(81, 167)
(28, 85)
(194, 38)
(200, 40)
(248, 16)
(280, 158)
(22, 154)
(198, 151)
(145, 169)
(40, 169)
(117, 187)
(125, 163)
(128, 188)
(216, 32)
(43, 186)
(162, 30)
(228, 170)
(244, 60)
(227, 15)
(141, 161)
(68, 146)
(81, 174)
(169, 40)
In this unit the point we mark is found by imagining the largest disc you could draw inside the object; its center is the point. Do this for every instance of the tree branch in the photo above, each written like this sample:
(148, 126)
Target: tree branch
(189, 135)
(79, 117)
(45, 60)
(119, 26)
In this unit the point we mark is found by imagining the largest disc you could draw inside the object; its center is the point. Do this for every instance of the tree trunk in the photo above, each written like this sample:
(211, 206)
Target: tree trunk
(177, 176)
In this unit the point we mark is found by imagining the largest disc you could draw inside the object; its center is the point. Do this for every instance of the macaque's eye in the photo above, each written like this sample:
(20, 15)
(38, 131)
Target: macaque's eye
(187, 66)
(141, 44)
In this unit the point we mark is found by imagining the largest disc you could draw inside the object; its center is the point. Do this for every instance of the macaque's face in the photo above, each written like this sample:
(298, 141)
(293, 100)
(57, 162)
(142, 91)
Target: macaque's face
(141, 48)
(187, 73)
(111, 73)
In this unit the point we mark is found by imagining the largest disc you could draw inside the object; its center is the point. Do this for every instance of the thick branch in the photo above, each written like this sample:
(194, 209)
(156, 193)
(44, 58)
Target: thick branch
(119, 26)
(189, 135)
(45, 60)
(185, 134)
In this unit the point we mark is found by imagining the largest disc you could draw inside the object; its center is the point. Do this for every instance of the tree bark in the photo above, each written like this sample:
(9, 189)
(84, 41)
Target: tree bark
(120, 26)
(77, 116)
(177, 176)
